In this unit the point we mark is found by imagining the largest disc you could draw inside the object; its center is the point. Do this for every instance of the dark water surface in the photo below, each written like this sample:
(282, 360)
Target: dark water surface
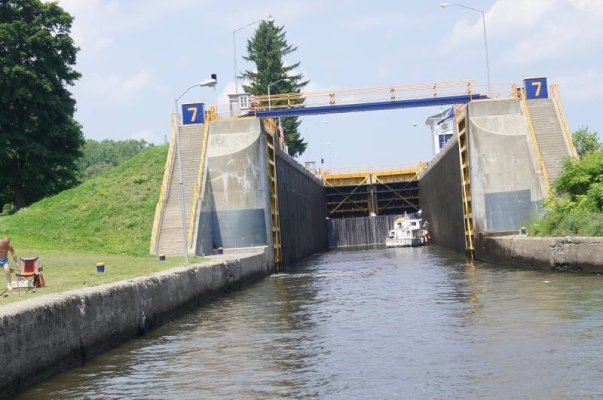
(370, 324)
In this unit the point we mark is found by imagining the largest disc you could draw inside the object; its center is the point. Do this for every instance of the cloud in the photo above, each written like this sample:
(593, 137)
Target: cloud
(98, 22)
(115, 89)
(585, 86)
(385, 21)
(526, 33)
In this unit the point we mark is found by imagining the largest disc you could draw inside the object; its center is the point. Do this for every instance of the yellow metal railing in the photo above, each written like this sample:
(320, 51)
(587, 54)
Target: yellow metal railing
(545, 175)
(210, 116)
(378, 94)
(554, 91)
(167, 175)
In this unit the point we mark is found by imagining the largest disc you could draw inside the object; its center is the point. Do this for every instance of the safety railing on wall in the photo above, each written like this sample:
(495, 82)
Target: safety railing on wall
(554, 91)
(165, 184)
(369, 169)
(545, 175)
(378, 94)
(210, 116)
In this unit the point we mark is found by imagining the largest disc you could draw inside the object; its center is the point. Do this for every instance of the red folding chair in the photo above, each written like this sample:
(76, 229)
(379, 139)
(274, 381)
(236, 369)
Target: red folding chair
(30, 273)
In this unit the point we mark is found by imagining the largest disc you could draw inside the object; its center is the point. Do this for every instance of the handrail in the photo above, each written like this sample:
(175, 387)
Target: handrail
(565, 127)
(167, 175)
(535, 142)
(210, 116)
(367, 95)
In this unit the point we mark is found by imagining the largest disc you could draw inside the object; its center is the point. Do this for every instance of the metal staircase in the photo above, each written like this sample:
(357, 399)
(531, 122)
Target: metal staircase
(549, 134)
(460, 118)
(167, 237)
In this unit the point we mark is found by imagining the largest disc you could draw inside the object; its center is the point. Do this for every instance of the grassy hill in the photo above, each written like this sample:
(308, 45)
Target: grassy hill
(109, 214)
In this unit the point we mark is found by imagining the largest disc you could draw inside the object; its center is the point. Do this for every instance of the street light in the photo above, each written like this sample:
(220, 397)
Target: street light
(206, 83)
(270, 18)
(444, 5)
(274, 83)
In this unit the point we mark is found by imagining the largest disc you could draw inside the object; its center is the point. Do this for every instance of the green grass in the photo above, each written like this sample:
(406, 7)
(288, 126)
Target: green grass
(110, 214)
(66, 271)
(108, 218)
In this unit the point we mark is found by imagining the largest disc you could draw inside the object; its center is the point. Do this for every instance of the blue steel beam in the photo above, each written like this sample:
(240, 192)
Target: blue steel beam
(381, 105)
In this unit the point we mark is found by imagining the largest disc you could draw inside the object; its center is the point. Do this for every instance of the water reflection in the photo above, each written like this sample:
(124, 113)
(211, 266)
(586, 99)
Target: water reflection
(417, 323)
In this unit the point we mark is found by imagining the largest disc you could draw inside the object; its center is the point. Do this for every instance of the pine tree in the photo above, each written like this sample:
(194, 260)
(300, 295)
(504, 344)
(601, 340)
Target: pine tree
(266, 49)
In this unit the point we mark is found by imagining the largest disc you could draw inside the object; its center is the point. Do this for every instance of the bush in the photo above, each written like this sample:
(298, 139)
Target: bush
(577, 208)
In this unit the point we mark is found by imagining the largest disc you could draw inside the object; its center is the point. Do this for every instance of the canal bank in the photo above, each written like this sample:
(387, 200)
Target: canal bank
(567, 254)
(49, 334)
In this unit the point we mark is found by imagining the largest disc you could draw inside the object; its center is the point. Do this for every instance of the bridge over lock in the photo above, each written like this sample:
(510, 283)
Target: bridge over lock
(235, 187)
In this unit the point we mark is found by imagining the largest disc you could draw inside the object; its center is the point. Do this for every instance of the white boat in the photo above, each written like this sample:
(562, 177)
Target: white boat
(408, 231)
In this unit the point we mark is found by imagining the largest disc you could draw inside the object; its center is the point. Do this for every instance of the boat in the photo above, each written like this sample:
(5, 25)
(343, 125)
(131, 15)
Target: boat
(409, 231)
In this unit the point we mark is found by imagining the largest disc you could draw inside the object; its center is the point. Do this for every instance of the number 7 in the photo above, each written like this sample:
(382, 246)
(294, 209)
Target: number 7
(538, 87)
(194, 110)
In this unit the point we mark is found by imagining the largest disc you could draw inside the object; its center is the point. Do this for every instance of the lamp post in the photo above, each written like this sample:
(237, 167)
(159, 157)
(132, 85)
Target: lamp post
(444, 5)
(274, 83)
(280, 126)
(206, 83)
(270, 18)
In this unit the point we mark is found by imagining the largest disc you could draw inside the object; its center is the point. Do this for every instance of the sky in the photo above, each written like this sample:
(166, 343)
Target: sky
(136, 57)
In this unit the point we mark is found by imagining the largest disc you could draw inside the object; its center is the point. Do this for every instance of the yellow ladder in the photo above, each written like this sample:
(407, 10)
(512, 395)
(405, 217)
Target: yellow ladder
(460, 117)
(271, 145)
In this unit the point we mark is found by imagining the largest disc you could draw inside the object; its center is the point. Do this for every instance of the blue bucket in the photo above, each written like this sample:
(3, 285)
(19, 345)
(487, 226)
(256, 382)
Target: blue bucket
(220, 250)
(100, 267)
(161, 257)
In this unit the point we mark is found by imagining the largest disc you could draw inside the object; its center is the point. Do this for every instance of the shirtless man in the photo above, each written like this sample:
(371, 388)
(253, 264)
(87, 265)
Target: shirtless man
(5, 248)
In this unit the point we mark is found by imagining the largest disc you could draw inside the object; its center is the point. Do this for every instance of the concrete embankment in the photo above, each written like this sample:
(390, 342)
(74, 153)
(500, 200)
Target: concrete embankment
(575, 254)
(49, 334)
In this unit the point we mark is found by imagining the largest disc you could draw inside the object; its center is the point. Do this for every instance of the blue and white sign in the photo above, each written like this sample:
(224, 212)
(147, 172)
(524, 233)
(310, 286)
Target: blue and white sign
(193, 113)
(535, 88)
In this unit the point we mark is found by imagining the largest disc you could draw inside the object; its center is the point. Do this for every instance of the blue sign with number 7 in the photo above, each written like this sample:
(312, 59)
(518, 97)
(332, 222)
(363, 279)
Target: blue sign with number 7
(535, 88)
(193, 113)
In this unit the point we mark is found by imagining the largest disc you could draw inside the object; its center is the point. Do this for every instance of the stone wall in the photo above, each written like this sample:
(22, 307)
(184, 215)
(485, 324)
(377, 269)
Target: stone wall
(577, 254)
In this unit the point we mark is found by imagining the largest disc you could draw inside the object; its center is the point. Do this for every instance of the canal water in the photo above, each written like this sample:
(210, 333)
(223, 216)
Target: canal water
(414, 323)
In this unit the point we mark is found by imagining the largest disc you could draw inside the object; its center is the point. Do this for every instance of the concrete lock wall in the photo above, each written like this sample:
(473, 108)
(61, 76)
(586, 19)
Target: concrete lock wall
(506, 183)
(302, 210)
(49, 334)
(361, 231)
(571, 254)
(235, 207)
(441, 200)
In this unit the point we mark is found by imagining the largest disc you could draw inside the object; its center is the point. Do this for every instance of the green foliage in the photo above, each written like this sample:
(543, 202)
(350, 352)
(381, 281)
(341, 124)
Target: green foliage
(39, 139)
(266, 49)
(100, 157)
(577, 208)
(586, 141)
(108, 214)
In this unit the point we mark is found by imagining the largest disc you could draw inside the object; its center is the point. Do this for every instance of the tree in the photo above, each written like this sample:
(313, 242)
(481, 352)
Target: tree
(266, 49)
(99, 157)
(39, 139)
(585, 141)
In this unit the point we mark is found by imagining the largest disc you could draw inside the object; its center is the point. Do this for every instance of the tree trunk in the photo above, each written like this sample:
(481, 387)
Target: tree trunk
(19, 198)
